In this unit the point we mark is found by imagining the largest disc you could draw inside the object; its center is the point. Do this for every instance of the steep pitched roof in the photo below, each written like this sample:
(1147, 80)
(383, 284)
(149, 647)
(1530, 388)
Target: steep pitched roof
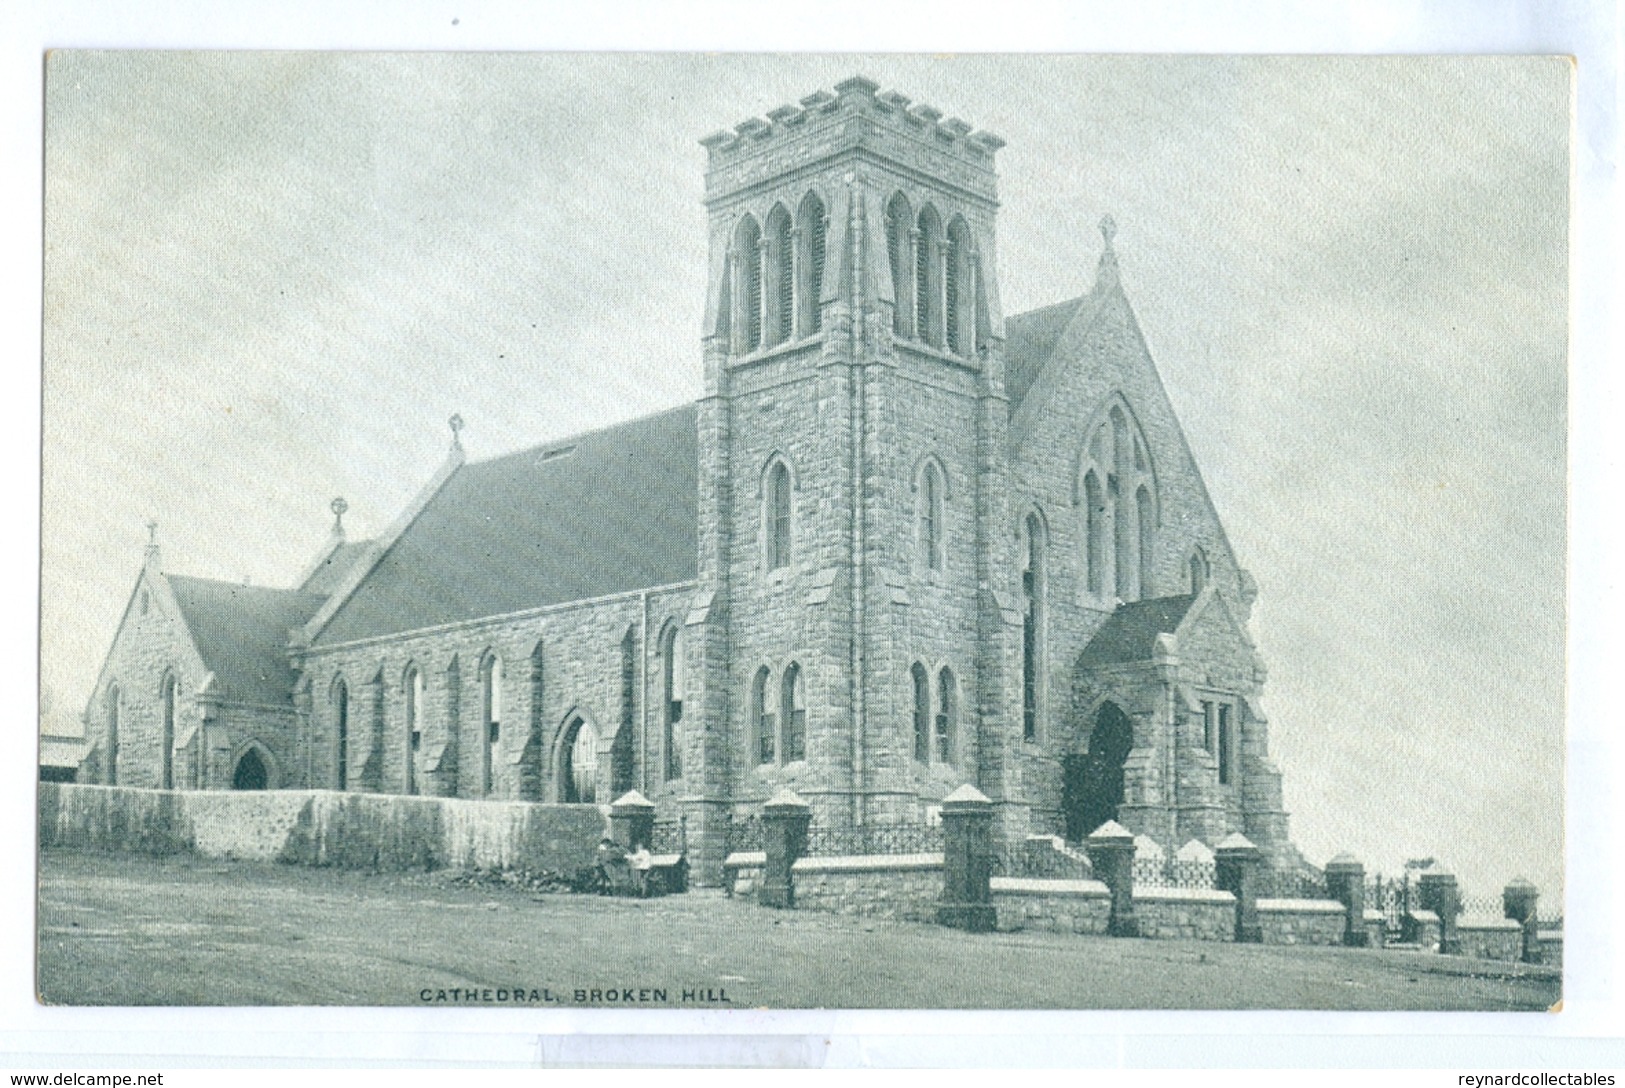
(607, 512)
(1130, 633)
(1030, 340)
(241, 632)
(326, 576)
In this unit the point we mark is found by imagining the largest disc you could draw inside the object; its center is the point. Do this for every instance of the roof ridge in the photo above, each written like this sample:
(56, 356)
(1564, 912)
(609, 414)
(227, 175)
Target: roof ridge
(578, 436)
(237, 585)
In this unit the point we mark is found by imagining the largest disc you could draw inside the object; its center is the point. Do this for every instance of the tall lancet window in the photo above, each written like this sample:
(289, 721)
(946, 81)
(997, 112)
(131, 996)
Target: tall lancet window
(168, 697)
(491, 712)
(928, 278)
(959, 290)
(930, 516)
(795, 714)
(761, 707)
(341, 734)
(922, 712)
(900, 254)
(947, 725)
(1032, 623)
(776, 517)
(675, 684)
(813, 228)
(781, 279)
(747, 299)
(413, 686)
(111, 775)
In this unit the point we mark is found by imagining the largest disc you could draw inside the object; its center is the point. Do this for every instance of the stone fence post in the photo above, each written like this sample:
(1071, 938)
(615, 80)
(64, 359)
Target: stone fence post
(1518, 901)
(632, 821)
(1237, 868)
(785, 819)
(967, 861)
(1111, 852)
(1345, 882)
(1436, 891)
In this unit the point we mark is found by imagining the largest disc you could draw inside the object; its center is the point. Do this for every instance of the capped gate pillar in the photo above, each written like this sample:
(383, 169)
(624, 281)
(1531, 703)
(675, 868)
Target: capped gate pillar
(1111, 852)
(1518, 901)
(1437, 892)
(967, 855)
(1238, 866)
(632, 820)
(785, 819)
(1345, 882)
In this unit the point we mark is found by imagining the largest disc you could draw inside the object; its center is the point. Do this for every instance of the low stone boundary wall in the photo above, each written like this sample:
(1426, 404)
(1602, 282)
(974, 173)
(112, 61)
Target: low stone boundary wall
(1302, 921)
(742, 872)
(1551, 947)
(322, 828)
(1490, 938)
(902, 886)
(1059, 906)
(1189, 913)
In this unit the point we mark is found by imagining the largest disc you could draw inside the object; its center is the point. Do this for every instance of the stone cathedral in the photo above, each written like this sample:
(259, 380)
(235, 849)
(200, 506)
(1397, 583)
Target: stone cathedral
(901, 542)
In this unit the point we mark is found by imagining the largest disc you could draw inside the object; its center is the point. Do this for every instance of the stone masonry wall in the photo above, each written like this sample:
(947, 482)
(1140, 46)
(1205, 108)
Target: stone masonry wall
(1055, 906)
(1490, 938)
(1188, 914)
(322, 828)
(906, 887)
(1301, 921)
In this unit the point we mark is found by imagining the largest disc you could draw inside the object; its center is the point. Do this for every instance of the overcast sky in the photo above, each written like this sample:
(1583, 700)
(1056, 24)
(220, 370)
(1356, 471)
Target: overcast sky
(270, 279)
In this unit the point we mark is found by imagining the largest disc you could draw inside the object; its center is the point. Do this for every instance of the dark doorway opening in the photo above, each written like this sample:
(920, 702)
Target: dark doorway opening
(578, 764)
(1092, 781)
(250, 773)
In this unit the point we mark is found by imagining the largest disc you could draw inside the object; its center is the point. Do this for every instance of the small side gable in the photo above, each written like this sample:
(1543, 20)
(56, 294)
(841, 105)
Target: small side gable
(140, 628)
(1210, 635)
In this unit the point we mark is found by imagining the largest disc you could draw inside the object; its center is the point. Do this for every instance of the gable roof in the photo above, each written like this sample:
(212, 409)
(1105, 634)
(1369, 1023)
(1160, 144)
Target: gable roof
(1130, 633)
(1030, 340)
(606, 512)
(325, 577)
(241, 633)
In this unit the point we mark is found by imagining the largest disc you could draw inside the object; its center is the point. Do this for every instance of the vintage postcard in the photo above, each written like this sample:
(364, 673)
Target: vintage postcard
(692, 532)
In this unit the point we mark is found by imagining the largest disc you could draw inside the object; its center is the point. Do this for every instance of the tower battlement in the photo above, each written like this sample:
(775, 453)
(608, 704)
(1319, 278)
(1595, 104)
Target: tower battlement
(855, 118)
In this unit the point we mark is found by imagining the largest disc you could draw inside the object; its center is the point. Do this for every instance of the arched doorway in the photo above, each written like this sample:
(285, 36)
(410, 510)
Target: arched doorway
(251, 772)
(578, 763)
(1092, 783)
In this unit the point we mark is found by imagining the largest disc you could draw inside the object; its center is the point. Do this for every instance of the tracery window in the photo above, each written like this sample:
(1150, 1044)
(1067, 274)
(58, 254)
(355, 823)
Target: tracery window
(1118, 496)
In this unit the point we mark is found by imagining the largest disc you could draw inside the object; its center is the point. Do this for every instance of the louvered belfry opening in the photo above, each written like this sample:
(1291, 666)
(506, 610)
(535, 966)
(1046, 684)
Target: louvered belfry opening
(815, 228)
(950, 290)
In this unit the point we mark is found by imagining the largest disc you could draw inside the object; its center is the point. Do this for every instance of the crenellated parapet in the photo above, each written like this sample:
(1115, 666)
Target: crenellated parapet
(855, 120)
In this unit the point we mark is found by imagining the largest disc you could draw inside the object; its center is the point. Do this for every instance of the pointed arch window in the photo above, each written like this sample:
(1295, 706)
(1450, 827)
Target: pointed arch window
(746, 260)
(413, 685)
(959, 289)
(491, 716)
(763, 717)
(779, 262)
(777, 517)
(1198, 569)
(928, 285)
(1094, 533)
(1145, 520)
(674, 684)
(814, 231)
(795, 714)
(931, 502)
(900, 255)
(169, 698)
(947, 723)
(1033, 587)
(341, 734)
(110, 777)
(922, 712)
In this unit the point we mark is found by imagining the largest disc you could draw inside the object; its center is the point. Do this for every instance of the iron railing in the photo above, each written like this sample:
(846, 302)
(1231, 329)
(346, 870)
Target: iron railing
(874, 839)
(670, 837)
(745, 835)
(1293, 884)
(1173, 873)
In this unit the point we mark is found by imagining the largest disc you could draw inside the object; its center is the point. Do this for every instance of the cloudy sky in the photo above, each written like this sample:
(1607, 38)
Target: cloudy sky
(270, 279)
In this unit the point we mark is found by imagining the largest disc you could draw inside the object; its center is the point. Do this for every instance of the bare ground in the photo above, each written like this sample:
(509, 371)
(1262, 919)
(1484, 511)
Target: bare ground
(130, 930)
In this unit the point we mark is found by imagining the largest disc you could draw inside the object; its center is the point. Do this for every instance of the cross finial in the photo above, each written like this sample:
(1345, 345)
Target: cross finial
(338, 506)
(152, 541)
(456, 425)
(1106, 276)
(1108, 228)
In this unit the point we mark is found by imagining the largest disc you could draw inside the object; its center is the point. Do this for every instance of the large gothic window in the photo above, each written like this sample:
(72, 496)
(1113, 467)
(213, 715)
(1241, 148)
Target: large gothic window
(1118, 496)
(795, 714)
(900, 254)
(813, 230)
(1033, 586)
(776, 517)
